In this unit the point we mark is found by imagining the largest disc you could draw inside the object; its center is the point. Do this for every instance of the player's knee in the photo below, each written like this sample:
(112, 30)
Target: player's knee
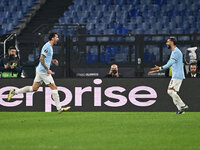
(170, 92)
(54, 88)
(35, 88)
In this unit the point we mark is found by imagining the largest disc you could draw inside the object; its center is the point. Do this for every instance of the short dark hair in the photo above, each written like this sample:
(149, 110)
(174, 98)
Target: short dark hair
(173, 39)
(52, 35)
(12, 47)
(193, 64)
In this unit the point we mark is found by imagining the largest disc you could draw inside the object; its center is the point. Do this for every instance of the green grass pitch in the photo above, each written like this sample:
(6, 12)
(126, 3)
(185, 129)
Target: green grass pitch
(99, 131)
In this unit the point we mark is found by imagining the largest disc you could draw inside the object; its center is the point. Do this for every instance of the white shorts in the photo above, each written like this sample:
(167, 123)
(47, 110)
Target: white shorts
(43, 77)
(175, 84)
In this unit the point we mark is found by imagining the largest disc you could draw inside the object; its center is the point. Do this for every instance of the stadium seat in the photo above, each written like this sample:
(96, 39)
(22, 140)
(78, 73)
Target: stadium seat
(139, 31)
(100, 26)
(184, 38)
(158, 26)
(104, 58)
(100, 8)
(172, 25)
(9, 27)
(93, 31)
(93, 20)
(61, 20)
(121, 31)
(193, 30)
(109, 31)
(90, 26)
(151, 31)
(160, 2)
(164, 31)
(138, 20)
(157, 38)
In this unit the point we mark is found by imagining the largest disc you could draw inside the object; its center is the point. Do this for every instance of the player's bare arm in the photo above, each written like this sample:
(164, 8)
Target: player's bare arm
(42, 60)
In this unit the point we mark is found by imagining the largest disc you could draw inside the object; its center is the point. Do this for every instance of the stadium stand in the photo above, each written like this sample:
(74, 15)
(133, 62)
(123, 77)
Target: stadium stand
(16, 13)
(134, 16)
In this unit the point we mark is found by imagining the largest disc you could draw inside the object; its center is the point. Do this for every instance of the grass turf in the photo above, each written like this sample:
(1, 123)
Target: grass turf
(99, 130)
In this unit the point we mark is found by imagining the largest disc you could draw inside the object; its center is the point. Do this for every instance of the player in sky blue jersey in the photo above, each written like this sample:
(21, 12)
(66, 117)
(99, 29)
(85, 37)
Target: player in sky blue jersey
(176, 63)
(47, 51)
(43, 73)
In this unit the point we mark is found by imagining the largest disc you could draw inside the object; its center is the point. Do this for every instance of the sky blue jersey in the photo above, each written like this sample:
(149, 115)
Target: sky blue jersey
(176, 61)
(47, 51)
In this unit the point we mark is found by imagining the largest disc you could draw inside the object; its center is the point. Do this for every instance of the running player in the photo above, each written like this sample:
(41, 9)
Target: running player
(43, 74)
(176, 61)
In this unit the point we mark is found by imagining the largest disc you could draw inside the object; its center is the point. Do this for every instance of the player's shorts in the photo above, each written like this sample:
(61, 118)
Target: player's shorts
(175, 84)
(43, 77)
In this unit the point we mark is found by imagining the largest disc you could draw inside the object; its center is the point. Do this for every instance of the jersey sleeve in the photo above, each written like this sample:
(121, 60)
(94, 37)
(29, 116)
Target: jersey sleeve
(172, 60)
(174, 56)
(44, 51)
(169, 64)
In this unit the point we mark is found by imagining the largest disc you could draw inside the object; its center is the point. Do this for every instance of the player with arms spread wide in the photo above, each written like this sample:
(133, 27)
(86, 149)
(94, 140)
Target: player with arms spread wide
(176, 62)
(43, 74)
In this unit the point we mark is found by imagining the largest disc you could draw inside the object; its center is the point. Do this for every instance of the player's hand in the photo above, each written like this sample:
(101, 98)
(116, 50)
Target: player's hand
(156, 68)
(55, 61)
(49, 72)
(150, 72)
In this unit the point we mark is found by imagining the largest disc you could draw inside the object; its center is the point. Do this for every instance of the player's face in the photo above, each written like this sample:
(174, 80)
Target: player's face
(55, 39)
(169, 43)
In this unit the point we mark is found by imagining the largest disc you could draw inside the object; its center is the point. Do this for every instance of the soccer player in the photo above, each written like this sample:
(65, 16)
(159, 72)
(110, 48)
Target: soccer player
(176, 61)
(43, 74)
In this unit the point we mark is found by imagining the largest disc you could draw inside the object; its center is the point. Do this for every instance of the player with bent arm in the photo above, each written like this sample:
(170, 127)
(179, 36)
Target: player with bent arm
(43, 74)
(176, 61)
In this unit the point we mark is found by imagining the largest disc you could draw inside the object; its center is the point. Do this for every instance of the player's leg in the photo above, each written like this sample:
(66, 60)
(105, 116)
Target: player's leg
(36, 84)
(171, 92)
(50, 82)
(25, 89)
(177, 101)
(55, 95)
(176, 98)
(174, 87)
